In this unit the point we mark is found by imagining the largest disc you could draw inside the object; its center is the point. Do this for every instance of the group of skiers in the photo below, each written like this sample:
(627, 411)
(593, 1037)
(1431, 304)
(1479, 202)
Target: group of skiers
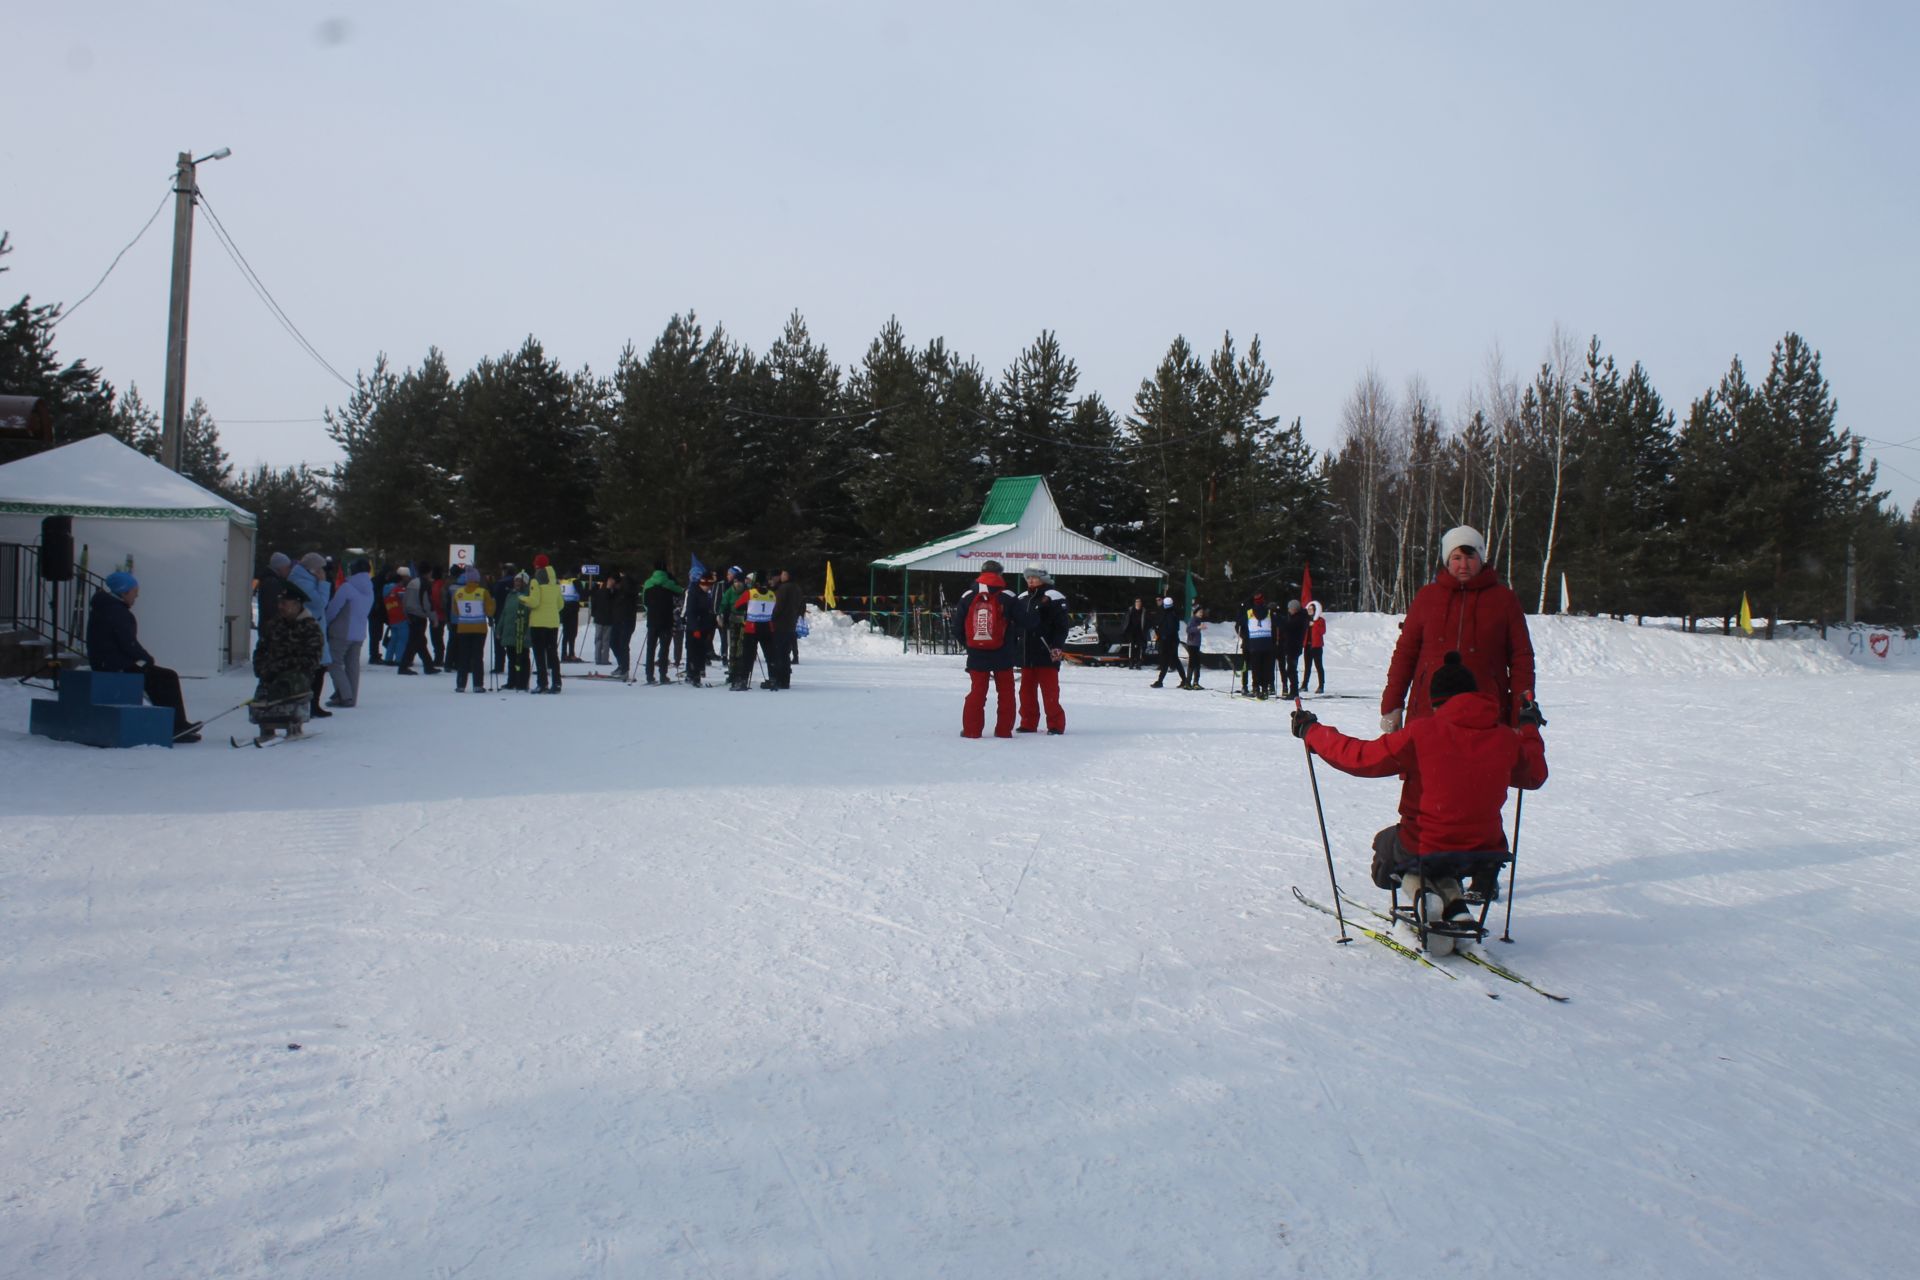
(1292, 641)
(744, 620)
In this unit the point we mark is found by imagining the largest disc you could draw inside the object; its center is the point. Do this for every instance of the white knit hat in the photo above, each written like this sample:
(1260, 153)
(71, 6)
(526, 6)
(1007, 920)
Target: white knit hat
(1462, 536)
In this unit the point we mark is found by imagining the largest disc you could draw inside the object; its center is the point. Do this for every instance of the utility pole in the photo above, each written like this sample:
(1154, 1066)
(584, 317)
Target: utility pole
(173, 407)
(1850, 581)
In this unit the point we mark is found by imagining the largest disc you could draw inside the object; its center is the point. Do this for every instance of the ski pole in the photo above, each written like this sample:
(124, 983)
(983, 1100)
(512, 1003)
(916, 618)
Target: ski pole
(1325, 844)
(1519, 805)
(210, 719)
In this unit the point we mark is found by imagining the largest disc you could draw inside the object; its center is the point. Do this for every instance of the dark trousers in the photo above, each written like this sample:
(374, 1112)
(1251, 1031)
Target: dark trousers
(973, 714)
(1313, 664)
(1260, 658)
(437, 633)
(698, 655)
(779, 650)
(416, 643)
(746, 646)
(163, 690)
(1041, 685)
(1193, 665)
(376, 628)
(517, 669)
(1290, 673)
(1170, 661)
(659, 649)
(545, 643)
(622, 646)
(569, 629)
(319, 686)
(469, 659)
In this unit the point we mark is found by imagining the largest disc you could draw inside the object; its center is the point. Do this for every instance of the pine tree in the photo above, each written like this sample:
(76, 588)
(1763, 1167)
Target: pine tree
(292, 508)
(796, 447)
(525, 457)
(671, 480)
(78, 397)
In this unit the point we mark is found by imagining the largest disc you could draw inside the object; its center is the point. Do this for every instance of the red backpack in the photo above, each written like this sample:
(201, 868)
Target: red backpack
(986, 622)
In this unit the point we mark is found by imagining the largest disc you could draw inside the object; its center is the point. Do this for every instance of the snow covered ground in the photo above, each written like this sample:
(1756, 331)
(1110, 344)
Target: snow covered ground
(674, 982)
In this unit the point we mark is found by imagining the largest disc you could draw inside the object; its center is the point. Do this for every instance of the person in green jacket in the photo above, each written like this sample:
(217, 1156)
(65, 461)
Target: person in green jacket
(511, 634)
(544, 599)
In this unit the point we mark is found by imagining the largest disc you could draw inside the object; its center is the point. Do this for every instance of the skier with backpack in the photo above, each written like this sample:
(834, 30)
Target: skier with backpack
(991, 623)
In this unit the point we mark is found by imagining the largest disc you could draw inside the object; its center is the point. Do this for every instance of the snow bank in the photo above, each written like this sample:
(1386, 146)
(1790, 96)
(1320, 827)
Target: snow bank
(838, 635)
(1571, 646)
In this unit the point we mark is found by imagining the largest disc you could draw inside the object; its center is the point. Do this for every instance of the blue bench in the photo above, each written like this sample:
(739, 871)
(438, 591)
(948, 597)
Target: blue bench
(102, 709)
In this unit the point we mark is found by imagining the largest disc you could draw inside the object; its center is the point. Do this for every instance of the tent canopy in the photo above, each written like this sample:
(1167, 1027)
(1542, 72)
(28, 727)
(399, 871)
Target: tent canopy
(1019, 525)
(100, 476)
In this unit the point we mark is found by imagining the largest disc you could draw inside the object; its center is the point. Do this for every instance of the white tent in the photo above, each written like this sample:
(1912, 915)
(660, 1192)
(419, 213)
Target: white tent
(191, 549)
(1020, 525)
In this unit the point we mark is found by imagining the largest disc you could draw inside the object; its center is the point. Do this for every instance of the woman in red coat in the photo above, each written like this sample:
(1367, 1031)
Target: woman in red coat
(1464, 610)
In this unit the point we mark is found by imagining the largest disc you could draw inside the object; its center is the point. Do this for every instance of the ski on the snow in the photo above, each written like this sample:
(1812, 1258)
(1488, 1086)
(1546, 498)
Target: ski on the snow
(1472, 957)
(277, 739)
(1390, 943)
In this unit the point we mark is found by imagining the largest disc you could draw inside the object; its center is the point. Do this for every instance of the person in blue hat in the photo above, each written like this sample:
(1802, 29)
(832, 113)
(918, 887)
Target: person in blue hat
(113, 645)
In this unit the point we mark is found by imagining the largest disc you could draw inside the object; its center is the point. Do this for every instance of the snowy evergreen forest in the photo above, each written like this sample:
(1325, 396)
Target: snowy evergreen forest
(699, 443)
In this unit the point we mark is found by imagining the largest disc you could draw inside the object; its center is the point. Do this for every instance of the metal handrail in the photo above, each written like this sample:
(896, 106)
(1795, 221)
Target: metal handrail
(55, 612)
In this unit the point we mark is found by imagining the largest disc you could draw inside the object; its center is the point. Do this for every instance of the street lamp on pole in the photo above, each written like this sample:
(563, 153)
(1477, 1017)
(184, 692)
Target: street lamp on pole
(174, 406)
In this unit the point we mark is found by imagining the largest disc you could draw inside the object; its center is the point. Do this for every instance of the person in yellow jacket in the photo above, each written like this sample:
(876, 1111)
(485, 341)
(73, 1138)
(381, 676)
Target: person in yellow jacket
(543, 625)
(472, 610)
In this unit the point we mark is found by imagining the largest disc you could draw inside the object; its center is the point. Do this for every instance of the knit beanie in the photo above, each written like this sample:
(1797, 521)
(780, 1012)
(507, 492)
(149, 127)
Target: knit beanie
(470, 578)
(279, 561)
(540, 561)
(1462, 536)
(1452, 677)
(314, 563)
(118, 584)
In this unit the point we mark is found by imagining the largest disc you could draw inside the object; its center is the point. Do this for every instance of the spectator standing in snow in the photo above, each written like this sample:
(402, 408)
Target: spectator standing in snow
(1293, 638)
(625, 607)
(113, 646)
(510, 637)
(1046, 607)
(984, 610)
(347, 616)
(1455, 764)
(438, 588)
(416, 601)
(700, 622)
(600, 614)
(569, 618)
(543, 625)
(283, 666)
(788, 604)
(1256, 634)
(394, 600)
(1315, 648)
(377, 618)
(660, 595)
(309, 573)
(1166, 638)
(472, 610)
(1134, 634)
(1195, 638)
(727, 610)
(1465, 609)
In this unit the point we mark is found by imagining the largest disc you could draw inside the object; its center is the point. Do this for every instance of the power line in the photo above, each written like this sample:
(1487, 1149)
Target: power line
(265, 295)
(116, 261)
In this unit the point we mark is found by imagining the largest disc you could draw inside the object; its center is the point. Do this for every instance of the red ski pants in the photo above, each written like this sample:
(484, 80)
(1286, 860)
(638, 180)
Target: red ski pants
(973, 717)
(1037, 683)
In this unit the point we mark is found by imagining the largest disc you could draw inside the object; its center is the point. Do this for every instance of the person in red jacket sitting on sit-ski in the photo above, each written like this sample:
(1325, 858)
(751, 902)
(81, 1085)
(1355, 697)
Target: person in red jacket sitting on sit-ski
(1455, 766)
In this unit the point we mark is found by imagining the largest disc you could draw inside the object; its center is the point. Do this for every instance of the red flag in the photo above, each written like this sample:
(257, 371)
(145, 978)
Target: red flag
(1306, 586)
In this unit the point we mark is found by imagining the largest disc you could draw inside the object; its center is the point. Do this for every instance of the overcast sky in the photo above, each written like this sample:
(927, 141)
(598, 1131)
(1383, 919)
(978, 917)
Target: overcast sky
(1405, 185)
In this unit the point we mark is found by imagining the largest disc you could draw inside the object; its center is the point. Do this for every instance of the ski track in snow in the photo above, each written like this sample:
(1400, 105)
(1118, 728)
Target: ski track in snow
(665, 982)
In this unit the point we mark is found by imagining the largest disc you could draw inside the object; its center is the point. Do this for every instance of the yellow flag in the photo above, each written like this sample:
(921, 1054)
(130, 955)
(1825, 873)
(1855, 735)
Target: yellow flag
(828, 594)
(1746, 615)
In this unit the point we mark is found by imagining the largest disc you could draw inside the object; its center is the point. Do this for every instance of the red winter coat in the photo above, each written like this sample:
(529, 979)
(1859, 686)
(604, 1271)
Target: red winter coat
(1455, 767)
(1479, 618)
